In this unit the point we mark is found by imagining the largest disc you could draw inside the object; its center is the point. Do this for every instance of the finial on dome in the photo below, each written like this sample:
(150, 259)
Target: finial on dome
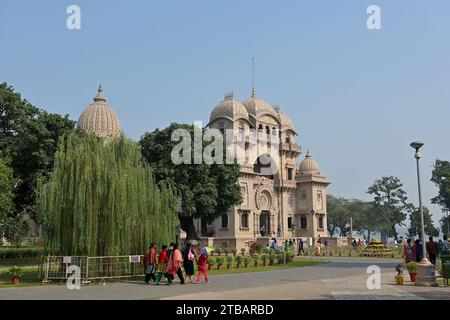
(229, 95)
(276, 107)
(253, 75)
(100, 96)
(308, 154)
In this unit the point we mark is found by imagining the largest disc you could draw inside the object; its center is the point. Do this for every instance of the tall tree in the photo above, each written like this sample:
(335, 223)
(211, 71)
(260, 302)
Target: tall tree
(415, 228)
(444, 223)
(6, 194)
(368, 219)
(29, 137)
(441, 178)
(102, 200)
(338, 215)
(390, 201)
(207, 191)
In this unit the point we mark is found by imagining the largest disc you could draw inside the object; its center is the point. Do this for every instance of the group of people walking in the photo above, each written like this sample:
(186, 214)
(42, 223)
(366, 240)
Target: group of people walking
(170, 261)
(413, 251)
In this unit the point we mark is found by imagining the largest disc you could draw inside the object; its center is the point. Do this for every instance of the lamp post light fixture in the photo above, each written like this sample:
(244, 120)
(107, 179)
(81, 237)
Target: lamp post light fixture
(426, 276)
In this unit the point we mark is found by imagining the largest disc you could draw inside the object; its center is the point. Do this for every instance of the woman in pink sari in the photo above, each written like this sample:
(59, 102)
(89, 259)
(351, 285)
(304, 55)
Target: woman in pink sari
(174, 264)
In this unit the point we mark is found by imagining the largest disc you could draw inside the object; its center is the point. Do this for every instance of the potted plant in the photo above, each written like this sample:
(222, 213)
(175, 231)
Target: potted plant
(264, 259)
(229, 262)
(211, 263)
(238, 261)
(243, 251)
(280, 258)
(15, 273)
(219, 261)
(266, 250)
(399, 274)
(412, 269)
(220, 251)
(234, 251)
(256, 260)
(246, 262)
(272, 258)
(227, 251)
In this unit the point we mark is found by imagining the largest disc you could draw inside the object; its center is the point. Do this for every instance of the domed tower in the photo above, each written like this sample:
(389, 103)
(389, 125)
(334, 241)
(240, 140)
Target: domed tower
(311, 199)
(100, 118)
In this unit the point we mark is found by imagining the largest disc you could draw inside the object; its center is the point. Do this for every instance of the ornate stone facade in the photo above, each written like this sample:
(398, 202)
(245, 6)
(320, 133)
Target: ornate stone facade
(288, 204)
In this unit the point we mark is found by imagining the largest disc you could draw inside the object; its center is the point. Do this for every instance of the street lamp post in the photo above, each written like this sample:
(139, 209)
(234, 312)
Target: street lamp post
(425, 270)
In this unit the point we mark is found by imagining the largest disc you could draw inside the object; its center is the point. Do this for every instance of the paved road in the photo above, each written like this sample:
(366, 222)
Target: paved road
(342, 278)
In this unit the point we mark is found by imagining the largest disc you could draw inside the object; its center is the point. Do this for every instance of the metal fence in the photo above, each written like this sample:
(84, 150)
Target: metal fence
(56, 268)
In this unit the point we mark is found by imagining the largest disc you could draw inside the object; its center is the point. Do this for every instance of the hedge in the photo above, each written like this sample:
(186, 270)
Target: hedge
(21, 252)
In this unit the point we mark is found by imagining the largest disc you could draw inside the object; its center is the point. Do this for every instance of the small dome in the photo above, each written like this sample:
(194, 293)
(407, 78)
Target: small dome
(286, 122)
(229, 108)
(309, 166)
(100, 118)
(258, 107)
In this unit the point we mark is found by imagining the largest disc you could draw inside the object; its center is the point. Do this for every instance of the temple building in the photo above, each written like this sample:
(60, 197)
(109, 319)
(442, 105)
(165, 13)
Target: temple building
(100, 118)
(288, 204)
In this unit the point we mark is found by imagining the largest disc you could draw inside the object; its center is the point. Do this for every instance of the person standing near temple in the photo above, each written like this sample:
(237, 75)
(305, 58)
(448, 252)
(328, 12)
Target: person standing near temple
(162, 264)
(432, 250)
(174, 264)
(300, 247)
(408, 254)
(150, 263)
(188, 261)
(418, 254)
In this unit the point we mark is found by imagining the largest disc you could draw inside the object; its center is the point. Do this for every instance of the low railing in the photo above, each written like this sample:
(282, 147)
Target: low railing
(56, 268)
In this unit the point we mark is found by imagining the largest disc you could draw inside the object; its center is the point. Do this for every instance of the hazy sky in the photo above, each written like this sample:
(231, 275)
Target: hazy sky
(357, 97)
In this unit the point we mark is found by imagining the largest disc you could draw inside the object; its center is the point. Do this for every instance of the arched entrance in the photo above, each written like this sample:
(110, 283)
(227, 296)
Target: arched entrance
(264, 223)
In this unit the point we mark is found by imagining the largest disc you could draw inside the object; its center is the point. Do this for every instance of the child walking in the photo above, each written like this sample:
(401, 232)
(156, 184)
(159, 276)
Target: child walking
(202, 261)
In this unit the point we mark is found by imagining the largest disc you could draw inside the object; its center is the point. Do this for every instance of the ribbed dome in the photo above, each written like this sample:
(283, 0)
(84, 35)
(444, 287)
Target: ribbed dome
(309, 166)
(100, 118)
(229, 108)
(258, 107)
(286, 122)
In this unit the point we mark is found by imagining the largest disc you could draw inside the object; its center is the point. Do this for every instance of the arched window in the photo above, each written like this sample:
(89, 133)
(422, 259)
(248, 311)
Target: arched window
(260, 128)
(288, 137)
(274, 131)
(267, 129)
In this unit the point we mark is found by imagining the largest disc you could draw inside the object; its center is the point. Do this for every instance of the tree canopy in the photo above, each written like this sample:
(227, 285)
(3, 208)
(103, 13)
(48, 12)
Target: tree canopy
(102, 200)
(207, 190)
(29, 137)
(390, 202)
(415, 228)
(441, 178)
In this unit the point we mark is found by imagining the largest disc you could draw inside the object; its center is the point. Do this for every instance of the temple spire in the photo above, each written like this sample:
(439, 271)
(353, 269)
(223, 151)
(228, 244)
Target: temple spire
(253, 77)
(100, 96)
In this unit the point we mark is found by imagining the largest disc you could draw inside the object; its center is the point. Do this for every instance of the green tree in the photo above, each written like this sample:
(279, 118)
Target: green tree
(207, 191)
(415, 225)
(441, 178)
(29, 137)
(6, 194)
(338, 215)
(444, 225)
(390, 201)
(368, 219)
(102, 200)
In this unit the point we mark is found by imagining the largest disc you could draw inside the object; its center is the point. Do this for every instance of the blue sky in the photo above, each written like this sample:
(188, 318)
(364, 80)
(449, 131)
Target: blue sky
(357, 97)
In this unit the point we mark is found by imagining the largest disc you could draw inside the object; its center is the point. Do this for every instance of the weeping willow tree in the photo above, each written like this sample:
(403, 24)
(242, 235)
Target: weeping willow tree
(101, 200)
